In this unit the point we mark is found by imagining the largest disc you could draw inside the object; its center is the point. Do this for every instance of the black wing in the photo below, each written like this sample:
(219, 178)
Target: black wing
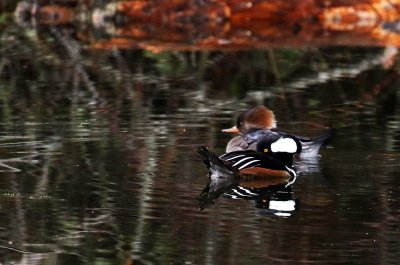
(242, 159)
(246, 159)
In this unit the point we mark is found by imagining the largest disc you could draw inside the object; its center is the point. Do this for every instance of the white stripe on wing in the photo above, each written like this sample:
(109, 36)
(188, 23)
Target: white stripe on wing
(231, 158)
(241, 160)
(248, 163)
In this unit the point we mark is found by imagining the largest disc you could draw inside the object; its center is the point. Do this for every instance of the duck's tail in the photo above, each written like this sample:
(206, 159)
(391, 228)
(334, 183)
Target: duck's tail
(212, 161)
(311, 147)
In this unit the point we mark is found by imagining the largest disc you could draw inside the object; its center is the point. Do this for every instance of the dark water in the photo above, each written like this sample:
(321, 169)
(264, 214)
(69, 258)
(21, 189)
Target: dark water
(98, 155)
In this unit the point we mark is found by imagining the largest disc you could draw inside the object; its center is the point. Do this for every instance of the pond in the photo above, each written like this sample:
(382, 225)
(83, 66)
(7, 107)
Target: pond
(99, 164)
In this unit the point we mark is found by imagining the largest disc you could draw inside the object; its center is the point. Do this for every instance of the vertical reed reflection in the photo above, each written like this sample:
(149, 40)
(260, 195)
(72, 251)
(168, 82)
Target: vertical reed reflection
(97, 158)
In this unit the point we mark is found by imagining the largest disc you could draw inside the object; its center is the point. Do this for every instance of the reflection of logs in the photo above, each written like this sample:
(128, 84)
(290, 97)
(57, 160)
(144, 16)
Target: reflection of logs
(236, 11)
(362, 16)
(47, 14)
(235, 24)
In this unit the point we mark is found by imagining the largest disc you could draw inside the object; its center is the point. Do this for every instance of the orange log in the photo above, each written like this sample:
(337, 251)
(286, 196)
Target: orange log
(174, 11)
(236, 24)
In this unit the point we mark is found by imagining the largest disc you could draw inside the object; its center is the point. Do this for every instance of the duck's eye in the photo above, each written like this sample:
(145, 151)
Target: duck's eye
(265, 150)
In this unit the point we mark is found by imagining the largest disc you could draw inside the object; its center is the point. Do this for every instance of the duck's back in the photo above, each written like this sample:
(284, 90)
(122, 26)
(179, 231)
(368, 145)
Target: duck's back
(249, 140)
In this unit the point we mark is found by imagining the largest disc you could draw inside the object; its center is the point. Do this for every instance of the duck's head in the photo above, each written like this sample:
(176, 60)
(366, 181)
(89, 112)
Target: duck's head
(256, 118)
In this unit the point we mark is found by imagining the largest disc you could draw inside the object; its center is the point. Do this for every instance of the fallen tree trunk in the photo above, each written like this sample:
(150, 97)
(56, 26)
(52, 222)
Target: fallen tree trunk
(235, 24)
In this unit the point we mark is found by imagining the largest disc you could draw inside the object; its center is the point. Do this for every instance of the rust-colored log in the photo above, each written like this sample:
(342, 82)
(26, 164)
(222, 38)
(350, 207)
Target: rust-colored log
(53, 14)
(174, 11)
(45, 15)
(236, 24)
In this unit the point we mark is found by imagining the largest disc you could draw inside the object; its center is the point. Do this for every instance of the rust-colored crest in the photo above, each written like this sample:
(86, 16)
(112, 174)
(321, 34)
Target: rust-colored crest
(259, 117)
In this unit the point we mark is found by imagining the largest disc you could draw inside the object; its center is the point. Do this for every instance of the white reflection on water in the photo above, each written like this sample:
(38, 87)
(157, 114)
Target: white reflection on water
(13, 145)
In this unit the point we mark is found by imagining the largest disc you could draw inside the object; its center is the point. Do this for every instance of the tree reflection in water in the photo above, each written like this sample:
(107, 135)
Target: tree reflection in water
(98, 166)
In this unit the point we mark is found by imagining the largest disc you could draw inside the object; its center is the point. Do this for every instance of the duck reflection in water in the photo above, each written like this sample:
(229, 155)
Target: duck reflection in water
(269, 197)
(250, 175)
(269, 200)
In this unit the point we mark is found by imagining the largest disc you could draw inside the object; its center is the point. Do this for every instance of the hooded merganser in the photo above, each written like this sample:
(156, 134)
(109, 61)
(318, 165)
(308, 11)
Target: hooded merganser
(248, 164)
(260, 122)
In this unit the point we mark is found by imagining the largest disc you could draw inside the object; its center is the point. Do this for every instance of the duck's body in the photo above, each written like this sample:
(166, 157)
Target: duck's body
(251, 162)
(309, 147)
(246, 164)
(280, 145)
(259, 123)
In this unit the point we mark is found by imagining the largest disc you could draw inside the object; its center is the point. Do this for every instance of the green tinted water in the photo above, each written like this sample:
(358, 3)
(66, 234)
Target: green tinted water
(98, 162)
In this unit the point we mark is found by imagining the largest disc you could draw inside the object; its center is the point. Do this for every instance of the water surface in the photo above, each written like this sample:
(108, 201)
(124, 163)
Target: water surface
(98, 157)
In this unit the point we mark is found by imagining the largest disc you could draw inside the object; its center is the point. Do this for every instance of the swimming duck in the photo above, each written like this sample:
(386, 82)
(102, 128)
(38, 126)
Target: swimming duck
(259, 122)
(248, 164)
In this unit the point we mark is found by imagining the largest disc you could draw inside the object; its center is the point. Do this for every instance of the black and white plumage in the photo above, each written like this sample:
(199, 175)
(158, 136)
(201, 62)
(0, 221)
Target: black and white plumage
(272, 200)
(241, 160)
(259, 122)
(247, 162)
(268, 198)
(281, 146)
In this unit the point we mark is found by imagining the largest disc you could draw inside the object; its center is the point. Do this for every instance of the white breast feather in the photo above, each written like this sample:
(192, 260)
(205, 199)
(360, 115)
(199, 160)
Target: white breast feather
(287, 145)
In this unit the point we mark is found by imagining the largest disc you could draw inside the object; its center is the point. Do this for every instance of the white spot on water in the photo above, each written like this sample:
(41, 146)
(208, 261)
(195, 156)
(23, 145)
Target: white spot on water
(282, 214)
(283, 205)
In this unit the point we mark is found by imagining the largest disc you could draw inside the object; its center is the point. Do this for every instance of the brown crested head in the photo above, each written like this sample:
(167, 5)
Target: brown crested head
(256, 118)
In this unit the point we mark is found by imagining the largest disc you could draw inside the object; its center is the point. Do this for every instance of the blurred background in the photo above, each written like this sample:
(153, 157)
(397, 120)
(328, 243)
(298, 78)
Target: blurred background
(103, 105)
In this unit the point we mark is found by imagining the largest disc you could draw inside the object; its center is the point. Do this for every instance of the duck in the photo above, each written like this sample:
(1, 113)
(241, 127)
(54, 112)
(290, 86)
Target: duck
(259, 122)
(249, 164)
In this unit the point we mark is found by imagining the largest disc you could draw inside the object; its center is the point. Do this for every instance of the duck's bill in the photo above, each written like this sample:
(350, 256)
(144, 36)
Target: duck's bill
(234, 129)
